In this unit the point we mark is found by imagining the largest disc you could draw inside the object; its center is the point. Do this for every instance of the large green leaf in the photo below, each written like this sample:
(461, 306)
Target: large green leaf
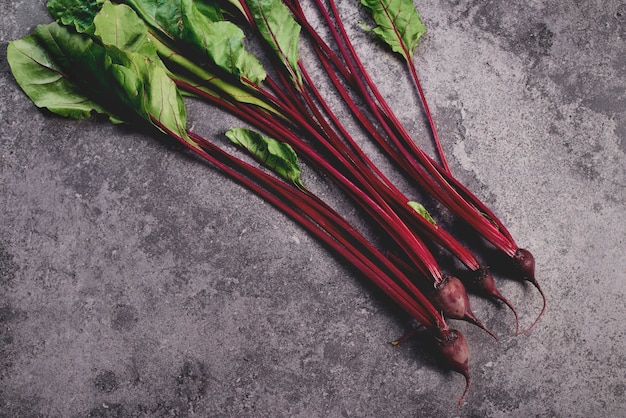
(146, 88)
(220, 41)
(112, 24)
(399, 24)
(45, 82)
(274, 154)
(223, 42)
(280, 30)
(131, 83)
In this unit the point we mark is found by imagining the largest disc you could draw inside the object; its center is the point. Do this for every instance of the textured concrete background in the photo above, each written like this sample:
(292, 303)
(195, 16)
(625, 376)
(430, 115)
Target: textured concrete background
(136, 281)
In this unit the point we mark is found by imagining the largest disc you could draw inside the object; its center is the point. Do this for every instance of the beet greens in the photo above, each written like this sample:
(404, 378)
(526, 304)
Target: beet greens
(133, 60)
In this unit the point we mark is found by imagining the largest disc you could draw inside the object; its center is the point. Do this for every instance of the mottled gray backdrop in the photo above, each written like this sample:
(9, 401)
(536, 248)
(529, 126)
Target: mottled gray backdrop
(137, 281)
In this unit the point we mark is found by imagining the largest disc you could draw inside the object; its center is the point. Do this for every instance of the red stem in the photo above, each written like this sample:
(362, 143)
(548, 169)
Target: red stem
(379, 210)
(437, 234)
(328, 219)
(451, 198)
(429, 116)
(420, 308)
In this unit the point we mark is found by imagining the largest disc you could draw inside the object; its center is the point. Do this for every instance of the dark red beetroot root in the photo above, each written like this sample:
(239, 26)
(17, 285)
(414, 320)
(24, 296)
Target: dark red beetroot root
(455, 353)
(451, 298)
(485, 283)
(525, 263)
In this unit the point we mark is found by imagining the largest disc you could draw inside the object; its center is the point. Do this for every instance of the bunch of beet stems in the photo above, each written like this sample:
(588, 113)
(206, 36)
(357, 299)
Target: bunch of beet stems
(90, 83)
(450, 294)
(435, 178)
(384, 193)
(366, 190)
(388, 198)
(324, 223)
(297, 112)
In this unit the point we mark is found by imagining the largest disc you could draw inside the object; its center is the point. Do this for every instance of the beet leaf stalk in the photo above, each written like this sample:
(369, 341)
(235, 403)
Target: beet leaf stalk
(400, 27)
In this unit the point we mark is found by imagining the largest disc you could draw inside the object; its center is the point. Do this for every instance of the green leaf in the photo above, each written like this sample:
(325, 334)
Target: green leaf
(46, 83)
(399, 24)
(220, 41)
(419, 208)
(274, 154)
(223, 42)
(130, 83)
(112, 24)
(281, 32)
(77, 13)
(145, 88)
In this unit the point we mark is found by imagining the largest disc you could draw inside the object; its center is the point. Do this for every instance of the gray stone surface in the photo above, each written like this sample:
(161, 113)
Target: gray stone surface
(136, 281)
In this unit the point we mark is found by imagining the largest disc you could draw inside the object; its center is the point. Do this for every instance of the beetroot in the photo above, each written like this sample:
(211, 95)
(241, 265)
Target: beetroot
(524, 262)
(451, 298)
(453, 348)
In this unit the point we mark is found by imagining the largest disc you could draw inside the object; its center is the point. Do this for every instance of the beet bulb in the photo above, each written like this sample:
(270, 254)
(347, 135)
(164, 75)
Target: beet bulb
(455, 352)
(451, 298)
(524, 261)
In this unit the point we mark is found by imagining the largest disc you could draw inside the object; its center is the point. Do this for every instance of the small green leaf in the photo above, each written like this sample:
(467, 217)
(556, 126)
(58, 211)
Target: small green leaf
(419, 208)
(365, 26)
(280, 30)
(105, 76)
(399, 24)
(274, 154)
